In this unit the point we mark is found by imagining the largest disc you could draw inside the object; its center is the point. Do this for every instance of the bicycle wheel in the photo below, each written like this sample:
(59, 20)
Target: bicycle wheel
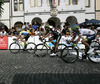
(94, 56)
(60, 48)
(95, 45)
(40, 50)
(69, 54)
(30, 47)
(14, 47)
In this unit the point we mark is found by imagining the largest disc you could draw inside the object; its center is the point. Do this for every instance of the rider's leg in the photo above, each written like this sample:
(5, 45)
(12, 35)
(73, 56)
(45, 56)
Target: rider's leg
(84, 41)
(78, 39)
(56, 46)
(50, 39)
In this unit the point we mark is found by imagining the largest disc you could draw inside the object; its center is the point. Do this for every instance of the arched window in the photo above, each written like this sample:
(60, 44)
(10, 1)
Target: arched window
(36, 3)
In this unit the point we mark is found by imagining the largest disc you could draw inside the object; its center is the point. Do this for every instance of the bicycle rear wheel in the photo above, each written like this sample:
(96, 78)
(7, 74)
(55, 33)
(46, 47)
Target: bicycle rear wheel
(40, 50)
(69, 54)
(30, 47)
(94, 56)
(14, 47)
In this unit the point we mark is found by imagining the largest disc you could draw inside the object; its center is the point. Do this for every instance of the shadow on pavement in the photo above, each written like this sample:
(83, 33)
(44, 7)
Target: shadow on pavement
(56, 78)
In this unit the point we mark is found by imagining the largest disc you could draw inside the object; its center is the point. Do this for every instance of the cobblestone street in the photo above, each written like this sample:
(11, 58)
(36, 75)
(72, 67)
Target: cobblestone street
(24, 68)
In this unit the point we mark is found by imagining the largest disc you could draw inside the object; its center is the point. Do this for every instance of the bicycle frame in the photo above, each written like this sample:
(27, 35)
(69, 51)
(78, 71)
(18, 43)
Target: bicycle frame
(80, 52)
(45, 43)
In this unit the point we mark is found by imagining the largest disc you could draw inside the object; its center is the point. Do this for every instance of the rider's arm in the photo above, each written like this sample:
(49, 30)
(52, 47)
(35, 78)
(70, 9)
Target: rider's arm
(18, 37)
(45, 35)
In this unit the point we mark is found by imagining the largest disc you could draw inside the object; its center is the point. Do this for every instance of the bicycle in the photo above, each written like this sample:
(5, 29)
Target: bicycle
(18, 45)
(74, 53)
(43, 49)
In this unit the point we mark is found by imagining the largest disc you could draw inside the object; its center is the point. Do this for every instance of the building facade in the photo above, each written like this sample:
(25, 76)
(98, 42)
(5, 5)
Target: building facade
(40, 10)
(98, 9)
(5, 18)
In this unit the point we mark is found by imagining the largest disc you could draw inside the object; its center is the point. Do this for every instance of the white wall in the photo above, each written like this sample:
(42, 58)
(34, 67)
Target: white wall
(5, 15)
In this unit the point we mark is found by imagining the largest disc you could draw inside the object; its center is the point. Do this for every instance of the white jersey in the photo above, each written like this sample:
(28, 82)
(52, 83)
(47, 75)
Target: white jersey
(86, 32)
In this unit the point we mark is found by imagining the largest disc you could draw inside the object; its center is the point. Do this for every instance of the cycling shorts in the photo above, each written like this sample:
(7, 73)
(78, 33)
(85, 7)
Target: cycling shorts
(57, 38)
(90, 38)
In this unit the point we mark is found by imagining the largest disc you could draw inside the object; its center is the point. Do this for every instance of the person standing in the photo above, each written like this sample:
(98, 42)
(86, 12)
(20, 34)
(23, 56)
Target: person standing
(34, 26)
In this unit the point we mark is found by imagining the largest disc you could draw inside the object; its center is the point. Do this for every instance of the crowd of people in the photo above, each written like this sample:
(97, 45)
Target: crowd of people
(36, 29)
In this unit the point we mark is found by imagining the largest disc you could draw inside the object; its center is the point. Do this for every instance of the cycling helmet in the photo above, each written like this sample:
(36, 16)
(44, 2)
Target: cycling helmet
(47, 27)
(75, 27)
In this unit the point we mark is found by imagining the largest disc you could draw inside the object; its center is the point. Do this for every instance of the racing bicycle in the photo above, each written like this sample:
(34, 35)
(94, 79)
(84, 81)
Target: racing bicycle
(44, 48)
(74, 52)
(18, 45)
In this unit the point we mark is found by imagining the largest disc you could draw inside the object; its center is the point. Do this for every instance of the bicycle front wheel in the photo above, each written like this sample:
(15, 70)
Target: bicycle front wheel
(60, 48)
(30, 47)
(40, 50)
(69, 54)
(14, 47)
(94, 56)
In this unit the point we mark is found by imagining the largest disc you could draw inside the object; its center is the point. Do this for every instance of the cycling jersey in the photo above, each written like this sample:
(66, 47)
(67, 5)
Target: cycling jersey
(25, 34)
(86, 32)
(89, 33)
(56, 34)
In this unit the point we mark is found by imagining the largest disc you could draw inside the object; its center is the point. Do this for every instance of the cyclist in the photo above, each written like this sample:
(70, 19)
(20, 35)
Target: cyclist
(24, 35)
(90, 35)
(98, 32)
(55, 35)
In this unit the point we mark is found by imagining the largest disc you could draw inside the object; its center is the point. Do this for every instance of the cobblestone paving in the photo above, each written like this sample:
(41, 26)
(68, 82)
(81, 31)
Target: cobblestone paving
(24, 68)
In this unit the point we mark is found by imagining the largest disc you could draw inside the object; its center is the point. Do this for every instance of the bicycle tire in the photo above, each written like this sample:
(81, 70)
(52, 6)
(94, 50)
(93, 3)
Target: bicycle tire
(69, 54)
(14, 48)
(30, 47)
(95, 45)
(41, 50)
(94, 56)
(60, 48)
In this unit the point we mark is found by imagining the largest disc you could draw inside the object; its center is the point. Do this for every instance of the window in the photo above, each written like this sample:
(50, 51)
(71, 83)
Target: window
(74, 2)
(53, 2)
(56, 2)
(36, 3)
(67, 2)
(87, 3)
(32, 2)
(15, 7)
(18, 5)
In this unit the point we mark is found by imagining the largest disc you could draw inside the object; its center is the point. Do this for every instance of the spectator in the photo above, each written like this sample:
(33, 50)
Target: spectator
(28, 25)
(32, 32)
(93, 28)
(37, 31)
(66, 31)
(10, 32)
(3, 33)
(59, 29)
(24, 25)
(15, 32)
(35, 26)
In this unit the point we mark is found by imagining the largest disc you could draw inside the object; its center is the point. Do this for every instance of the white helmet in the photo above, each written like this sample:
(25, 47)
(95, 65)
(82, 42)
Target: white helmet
(98, 28)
